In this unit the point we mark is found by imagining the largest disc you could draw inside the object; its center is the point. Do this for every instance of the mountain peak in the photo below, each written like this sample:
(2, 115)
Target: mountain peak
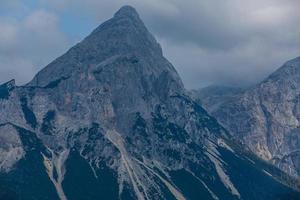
(124, 34)
(126, 11)
(113, 116)
(293, 61)
(289, 70)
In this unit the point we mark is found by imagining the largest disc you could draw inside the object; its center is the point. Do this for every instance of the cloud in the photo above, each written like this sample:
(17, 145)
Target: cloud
(4, 4)
(241, 67)
(216, 42)
(229, 42)
(28, 45)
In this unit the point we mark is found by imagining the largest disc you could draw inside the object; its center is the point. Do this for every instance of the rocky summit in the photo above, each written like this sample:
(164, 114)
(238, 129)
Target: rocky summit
(110, 119)
(266, 117)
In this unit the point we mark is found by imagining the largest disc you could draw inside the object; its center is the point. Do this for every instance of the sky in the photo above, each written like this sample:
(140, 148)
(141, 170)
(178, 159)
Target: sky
(220, 42)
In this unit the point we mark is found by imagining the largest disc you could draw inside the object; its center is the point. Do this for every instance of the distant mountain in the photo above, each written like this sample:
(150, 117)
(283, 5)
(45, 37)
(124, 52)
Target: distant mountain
(211, 97)
(110, 119)
(266, 117)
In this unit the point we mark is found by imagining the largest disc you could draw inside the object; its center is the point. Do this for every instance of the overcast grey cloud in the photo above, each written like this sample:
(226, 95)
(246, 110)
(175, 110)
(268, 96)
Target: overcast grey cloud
(28, 41)
(209, 41)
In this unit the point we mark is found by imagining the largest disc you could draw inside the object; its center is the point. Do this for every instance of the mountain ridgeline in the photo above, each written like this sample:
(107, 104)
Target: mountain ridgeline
(266, 117)
(111, 119)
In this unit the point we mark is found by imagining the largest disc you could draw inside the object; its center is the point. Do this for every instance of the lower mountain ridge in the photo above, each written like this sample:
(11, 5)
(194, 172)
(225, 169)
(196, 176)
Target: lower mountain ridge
(110, 119)
(265, 117)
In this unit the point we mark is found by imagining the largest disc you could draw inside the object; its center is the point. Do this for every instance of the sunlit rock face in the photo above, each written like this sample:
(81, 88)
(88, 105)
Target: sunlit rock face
(110, 119)
(266, 117)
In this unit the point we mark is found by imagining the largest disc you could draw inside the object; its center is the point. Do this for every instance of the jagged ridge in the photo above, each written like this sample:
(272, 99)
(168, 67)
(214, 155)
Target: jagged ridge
(266, 117)
(111, 119)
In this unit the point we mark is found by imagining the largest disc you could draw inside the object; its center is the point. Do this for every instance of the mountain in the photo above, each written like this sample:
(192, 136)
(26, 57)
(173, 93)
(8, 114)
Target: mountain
(266, 117)
(211, 97)
(110, 119)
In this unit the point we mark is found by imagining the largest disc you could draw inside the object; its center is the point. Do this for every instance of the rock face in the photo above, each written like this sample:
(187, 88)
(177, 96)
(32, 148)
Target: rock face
(110, 119)
(267, 117)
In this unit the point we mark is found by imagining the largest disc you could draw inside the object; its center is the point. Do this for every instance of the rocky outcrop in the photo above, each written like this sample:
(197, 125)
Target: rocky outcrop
(11, 148)
(266, 117)
(110, 119)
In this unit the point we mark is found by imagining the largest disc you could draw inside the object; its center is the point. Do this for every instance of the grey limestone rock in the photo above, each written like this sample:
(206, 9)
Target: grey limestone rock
(111, 119)
(266, 117)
